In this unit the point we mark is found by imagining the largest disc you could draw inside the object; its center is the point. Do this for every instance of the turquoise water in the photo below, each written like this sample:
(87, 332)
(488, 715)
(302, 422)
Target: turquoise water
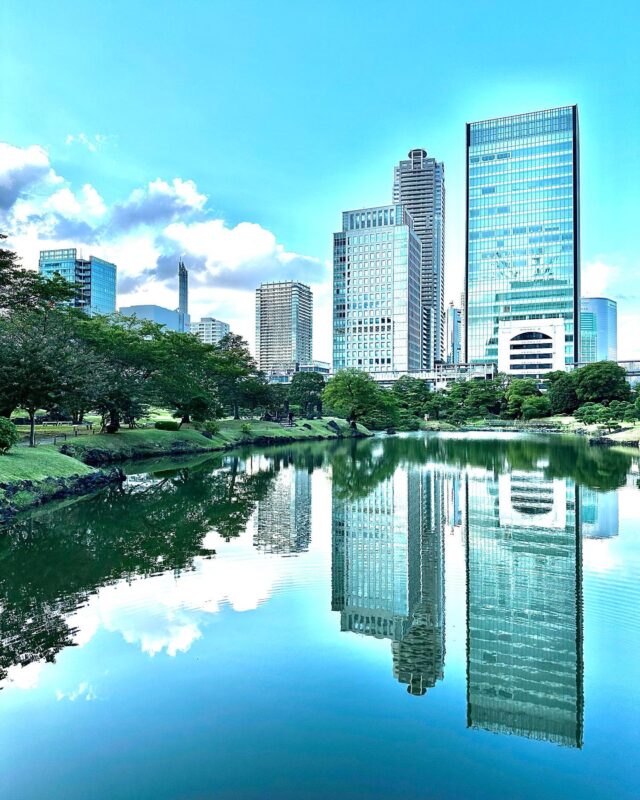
(418, 617)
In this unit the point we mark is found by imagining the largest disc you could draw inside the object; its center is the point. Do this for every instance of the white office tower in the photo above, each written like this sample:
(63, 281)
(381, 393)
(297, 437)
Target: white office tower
(210, 330)
(376, 291)
(284, 324)
(418, 183)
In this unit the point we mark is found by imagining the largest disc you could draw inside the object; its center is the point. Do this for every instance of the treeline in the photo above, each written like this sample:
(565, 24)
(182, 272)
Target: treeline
(57, 359)
(595, 393)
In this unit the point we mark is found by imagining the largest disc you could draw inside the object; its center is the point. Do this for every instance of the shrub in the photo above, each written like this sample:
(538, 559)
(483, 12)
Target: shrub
(245, 429)
(534, 407)
(167, 425)
(211, 427)
(8, 435)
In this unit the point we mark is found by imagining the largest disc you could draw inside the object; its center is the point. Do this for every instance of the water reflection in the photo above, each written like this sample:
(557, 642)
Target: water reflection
(524, 610)
(522, 504)
(387, 571)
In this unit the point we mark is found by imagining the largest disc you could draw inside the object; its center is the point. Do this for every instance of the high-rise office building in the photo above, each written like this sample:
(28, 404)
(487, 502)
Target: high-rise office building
(162, 316)
(418, 183)
(210, 330)
(183, 297)
(524, 607)
(376, 291)
(598, 329)
(284, 324)
(95, 278)
(283, 523)
(454, 334)
(387, 573)
(523, 242)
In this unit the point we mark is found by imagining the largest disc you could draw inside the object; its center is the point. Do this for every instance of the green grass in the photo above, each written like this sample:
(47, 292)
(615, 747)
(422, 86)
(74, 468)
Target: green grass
(38, 463)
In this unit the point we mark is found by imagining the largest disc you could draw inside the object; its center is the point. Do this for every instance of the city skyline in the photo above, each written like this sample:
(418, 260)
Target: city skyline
(101, 183)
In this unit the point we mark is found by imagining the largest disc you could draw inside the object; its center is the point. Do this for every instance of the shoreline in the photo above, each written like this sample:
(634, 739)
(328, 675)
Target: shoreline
(88, 464)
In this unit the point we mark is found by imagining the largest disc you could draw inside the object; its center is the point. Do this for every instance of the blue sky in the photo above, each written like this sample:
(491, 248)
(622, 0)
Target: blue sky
(237, 132)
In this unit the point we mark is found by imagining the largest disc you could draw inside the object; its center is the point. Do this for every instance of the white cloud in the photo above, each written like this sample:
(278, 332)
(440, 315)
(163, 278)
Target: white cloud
(597, 278)
(146, 233)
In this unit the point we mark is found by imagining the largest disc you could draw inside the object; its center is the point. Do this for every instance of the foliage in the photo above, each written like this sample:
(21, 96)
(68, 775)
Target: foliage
(412, 395)
(306, 392)
(167, 425)
(535, 407)
(212, 427)
(8, 435)
(517, 392)
(601, 382)
(562, 392)
(245, 429)
(350, 393)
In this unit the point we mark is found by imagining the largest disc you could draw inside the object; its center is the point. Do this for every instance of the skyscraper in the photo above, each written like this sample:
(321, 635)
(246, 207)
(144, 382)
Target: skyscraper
(284, 324)
(523, 246)
(524, 607)
(454, 334)
(598, 329)
(183, 297)
(418, 183)
(96, 279)
(209, 330)
(283, 524)
(376, 291)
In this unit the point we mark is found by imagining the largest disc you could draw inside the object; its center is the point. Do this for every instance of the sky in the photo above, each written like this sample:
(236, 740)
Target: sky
(235, 133)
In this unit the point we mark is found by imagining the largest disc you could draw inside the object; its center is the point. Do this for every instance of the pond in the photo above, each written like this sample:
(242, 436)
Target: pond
(427, 616)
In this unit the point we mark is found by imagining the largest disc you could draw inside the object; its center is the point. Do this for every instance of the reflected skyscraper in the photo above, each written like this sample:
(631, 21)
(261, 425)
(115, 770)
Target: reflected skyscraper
(524, 615)
(598, 513)
(284, 516)
(387, 572)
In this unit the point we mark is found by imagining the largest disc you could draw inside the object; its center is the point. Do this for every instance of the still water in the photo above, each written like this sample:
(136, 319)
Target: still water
(418, 617)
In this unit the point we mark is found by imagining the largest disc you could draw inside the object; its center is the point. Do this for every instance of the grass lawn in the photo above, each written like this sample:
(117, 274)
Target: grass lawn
(37, 463)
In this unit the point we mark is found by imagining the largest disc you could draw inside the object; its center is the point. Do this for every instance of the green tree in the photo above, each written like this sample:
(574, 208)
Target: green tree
(601, 382)
(350, 393)
(535, 407)
(41, 361)
(517, 391)
(306, 392)
(412, 394)
(234, 365)
(8, 435)
(562, 392)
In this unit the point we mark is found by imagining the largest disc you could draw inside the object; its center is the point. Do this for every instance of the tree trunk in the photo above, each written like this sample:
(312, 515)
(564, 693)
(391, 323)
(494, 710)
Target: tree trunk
(186, 419)
(32, 428)
(236, 410)
(114, 421)
(320, 409)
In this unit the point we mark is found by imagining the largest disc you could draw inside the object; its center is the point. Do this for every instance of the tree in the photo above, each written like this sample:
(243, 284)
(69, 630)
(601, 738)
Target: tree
(601, 382)
(306, 392)
(185, 378)
(535, 407)
(412, 394)
(233, 366)
(350, 393)
(562, 392)
(41, 361)
(8, 435)
(517, 391)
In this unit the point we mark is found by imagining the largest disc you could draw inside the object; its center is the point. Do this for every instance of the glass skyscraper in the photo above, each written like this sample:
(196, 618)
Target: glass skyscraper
(522, 283)
(183, 297)
(96, 279)
(418, 183)
(598, 329)
(376, 291)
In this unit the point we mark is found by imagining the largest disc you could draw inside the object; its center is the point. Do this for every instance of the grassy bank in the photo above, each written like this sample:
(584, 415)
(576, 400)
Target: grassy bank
(32, 476)
(150, 443)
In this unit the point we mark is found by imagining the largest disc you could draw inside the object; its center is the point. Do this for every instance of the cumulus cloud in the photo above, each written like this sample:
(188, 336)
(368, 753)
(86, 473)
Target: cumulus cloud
(597, 278)
(22, 168)
(159, 203)
(146, 234)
